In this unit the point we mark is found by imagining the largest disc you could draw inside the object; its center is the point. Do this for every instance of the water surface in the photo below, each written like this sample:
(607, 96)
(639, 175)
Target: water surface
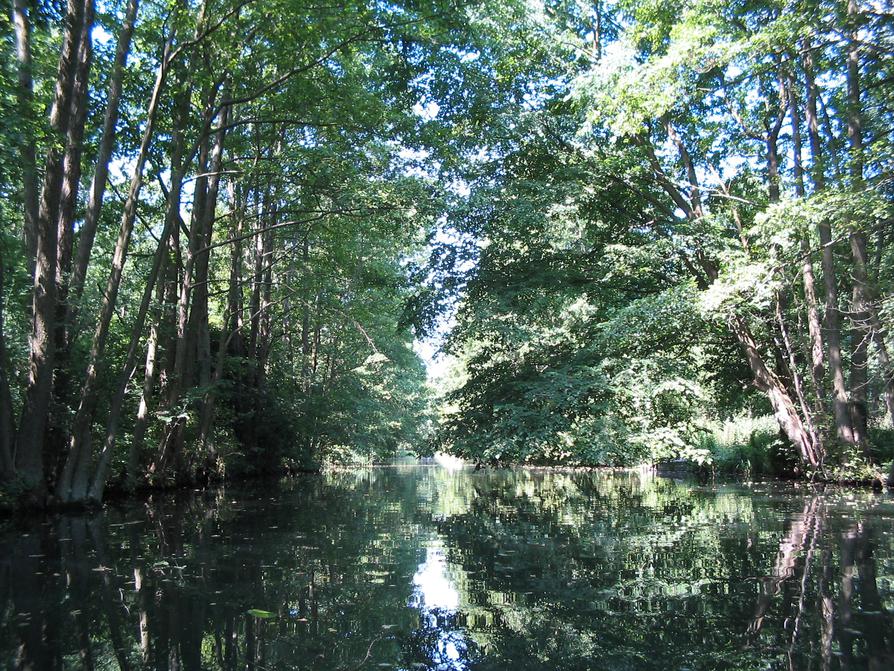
(424, 568)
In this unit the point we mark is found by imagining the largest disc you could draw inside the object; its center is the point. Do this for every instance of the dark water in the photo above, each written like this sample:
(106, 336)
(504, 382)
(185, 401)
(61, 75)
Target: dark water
(423, 568)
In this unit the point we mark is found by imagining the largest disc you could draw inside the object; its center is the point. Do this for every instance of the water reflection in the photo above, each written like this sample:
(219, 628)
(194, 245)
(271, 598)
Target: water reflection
(438, 602)
(434, 591)
(425, 568)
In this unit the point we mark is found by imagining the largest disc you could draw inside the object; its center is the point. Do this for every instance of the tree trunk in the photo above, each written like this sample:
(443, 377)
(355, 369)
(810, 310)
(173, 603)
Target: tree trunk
(166, 286)
(100, 176)
(24, 101)
(884, 359)
(264, 329)
(860, 300)
(783, 407)
(861, 337)
(170, 447)
(234, 293)
(141, 423)
(843, 426)
(71, 177)
(806, 411)
(7, 430)
(98, 482)
(201, 304)
(168, 323)
(808, 278)
(72, 161)
(199, 312)
(76, 467)
(254, 303)
(29, 440)
(305, 315)
(773, 166)
(186, 368)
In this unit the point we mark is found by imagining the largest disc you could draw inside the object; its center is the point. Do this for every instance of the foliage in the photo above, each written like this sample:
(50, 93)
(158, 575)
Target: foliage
(241, 305)
(680, 229)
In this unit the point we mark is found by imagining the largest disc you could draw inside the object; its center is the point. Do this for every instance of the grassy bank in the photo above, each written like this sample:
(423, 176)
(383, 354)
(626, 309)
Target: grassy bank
(752, 447)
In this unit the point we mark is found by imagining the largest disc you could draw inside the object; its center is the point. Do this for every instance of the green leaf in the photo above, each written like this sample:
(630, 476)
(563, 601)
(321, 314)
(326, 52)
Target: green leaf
(263, 614)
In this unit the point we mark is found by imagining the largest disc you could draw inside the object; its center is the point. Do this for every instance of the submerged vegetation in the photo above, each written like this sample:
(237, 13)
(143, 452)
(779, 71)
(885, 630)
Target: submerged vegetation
(640, 228)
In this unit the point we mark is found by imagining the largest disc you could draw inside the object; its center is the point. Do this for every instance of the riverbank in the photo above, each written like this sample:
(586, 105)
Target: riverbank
(13, 503)
(742, 449)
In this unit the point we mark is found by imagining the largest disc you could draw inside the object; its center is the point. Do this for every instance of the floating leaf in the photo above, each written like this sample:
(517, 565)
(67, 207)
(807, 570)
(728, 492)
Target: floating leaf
(264, 614)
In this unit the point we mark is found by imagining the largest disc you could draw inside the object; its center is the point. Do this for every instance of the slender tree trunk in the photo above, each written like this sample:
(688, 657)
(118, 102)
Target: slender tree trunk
(772, 139)
(24, 100)
(170, 448)
(809, 281)
(141, 423)
(264, 332)
(187, 367)
(199, 313)
(860, 300)
(773, 165)
(168, 322)
(29, 439)
(817, 367)
(173, 223)
(862, 336)
(55, 435)
(72, 161)
(101, 174)
(254, 303)
(783, 407)
(816, 457)
(77, 462)
(694, 206)
(171, 445)
(841, 411)
(305, 315)
(811, 449)
(231, 333)
(166, 288)
(884, 359)
(209, 404)
(204, 355)
(234, 294)
(98, 483)
(7, 430)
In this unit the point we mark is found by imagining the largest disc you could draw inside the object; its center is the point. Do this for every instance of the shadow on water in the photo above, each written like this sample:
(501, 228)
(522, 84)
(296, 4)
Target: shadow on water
(425, 568)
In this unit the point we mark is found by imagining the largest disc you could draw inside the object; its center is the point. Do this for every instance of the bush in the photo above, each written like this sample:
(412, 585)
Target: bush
(748, 446)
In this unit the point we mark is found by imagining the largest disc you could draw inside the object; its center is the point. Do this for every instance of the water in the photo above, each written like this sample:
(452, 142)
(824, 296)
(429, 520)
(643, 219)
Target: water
(425, 568)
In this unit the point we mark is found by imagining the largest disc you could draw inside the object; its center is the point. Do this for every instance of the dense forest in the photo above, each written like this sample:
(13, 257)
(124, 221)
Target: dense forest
(686, 233)
(639, 230)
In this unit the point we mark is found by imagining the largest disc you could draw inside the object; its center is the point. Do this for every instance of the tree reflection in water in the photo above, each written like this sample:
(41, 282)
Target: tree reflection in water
(421, 568)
